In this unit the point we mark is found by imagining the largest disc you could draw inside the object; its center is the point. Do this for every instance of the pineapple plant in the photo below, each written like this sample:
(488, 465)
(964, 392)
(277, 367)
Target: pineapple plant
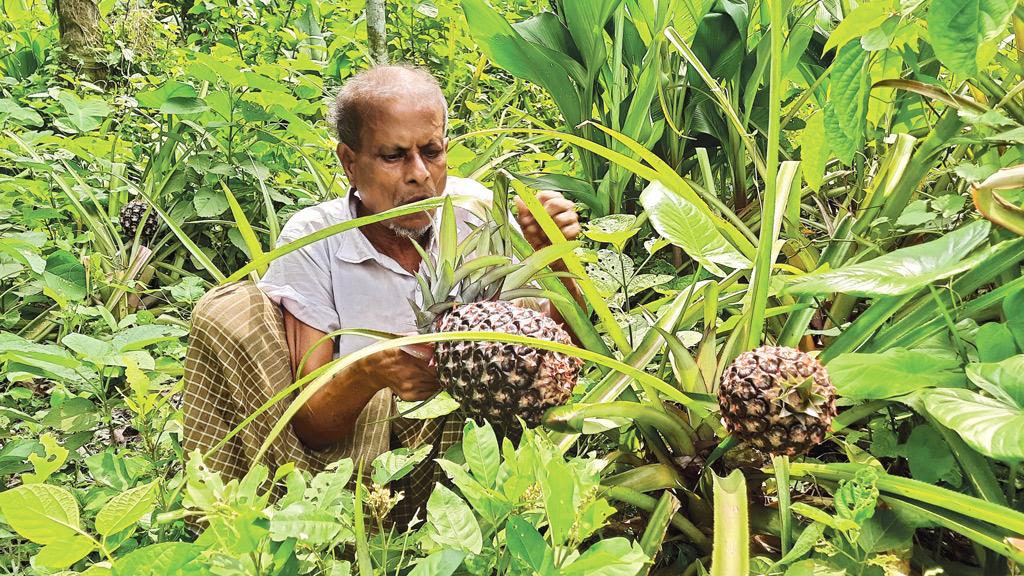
(131, 216)
(778, 400)
(468, 287)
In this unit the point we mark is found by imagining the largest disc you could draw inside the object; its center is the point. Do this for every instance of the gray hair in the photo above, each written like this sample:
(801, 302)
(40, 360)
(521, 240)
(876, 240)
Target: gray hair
(367, 87)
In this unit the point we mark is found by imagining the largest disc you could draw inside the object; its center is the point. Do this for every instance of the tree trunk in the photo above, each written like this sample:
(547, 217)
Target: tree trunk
(79, 25)
(375, 16)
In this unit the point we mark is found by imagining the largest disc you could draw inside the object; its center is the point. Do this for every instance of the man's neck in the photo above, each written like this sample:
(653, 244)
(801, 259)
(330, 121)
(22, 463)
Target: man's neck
(388, 242)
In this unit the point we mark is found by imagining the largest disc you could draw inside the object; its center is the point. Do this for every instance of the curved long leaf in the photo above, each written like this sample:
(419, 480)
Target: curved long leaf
(731, 553)
(901, 271)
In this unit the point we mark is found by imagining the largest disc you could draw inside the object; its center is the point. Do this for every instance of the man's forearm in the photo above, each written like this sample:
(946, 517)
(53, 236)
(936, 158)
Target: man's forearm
(329, 417)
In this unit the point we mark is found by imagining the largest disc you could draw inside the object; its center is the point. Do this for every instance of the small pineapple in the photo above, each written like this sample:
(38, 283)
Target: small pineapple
(131, 215)
(496, 381)
(778, 400)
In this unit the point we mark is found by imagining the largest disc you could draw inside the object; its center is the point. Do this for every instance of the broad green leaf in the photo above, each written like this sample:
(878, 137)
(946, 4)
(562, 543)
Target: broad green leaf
(309, 525)
(61, 555)
(42, 513)
(928, 454)
(488, 504)
(614, 229)
(806, 542)
(991, 427)
(526, 544)
(994, 341)
(65, 275)
(958, 29)
(686, 226)
(1012, 306)
(453, 521)
(209, 203)
(441, 404)
(814, 150)
(901, 271)
(183, 105)
(850, 86)
(1003, 380)
(856, 499)
(844, 145)
(90, 349)
(125, 509)
(443, 563)
(611, 557)
(164, 559)
(168, 90)
(391, 466)
(45, 466)
(480, 447)
(83, 115)
(557, 483)
(895, 372)
(9, 108)
(863, 18)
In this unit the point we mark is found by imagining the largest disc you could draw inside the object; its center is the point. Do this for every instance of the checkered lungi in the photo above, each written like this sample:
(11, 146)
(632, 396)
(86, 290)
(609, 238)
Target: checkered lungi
(238, 359)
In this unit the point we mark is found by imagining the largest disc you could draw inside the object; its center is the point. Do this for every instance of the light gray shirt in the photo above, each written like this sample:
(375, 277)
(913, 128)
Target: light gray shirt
(343, 281)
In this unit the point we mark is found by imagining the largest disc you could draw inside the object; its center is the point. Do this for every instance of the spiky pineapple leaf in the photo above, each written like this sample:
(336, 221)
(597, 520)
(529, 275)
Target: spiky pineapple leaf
(537, 262)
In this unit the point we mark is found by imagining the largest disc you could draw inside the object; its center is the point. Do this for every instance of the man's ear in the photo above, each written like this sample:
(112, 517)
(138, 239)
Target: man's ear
(347, 157)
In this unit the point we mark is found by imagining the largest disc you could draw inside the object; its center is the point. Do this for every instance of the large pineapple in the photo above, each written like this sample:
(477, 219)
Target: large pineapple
(468, 288)
(131, 216)
(779, 400)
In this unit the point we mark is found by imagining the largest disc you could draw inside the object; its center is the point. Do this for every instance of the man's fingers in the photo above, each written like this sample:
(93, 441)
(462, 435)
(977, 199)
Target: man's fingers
(565, 219)
(572, 232)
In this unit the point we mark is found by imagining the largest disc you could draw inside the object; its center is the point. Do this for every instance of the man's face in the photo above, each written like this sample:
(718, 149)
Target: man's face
(402, 158)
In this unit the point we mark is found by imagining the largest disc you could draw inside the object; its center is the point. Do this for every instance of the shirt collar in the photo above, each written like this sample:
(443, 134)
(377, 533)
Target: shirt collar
(356, 248)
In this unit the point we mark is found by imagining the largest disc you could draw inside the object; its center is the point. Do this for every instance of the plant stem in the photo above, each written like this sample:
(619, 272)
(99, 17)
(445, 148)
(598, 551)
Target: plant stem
(781, 464)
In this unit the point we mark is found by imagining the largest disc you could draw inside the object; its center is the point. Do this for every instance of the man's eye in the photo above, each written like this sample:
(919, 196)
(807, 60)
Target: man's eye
(391, 157)
(432, 153)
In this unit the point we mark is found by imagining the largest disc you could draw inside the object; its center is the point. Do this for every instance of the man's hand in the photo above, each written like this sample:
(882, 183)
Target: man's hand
(561, 211)
(409, 375)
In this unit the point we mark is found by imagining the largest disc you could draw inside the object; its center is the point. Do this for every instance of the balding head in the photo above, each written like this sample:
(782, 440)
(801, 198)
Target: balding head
(368, 88)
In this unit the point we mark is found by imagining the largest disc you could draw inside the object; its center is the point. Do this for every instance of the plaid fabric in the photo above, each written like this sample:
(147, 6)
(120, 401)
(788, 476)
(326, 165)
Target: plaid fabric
(238, 359)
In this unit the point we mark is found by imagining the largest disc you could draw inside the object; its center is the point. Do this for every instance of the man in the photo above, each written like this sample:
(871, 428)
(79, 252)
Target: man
(247, 342)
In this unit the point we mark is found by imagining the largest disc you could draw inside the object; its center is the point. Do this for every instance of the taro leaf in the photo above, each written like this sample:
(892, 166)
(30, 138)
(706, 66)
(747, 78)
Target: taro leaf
(184, 106)
(83, 115)
(210, 202)
(901, 271)
(612, 557)
(9, 108)
(1012, 306)
(125, 509)
(994, 341)
(391, 466)
(885, 531)
(480, 447)
(897, 371)
(614, 229)
(65, 275)
(164, 559)
(440, 405)
(1003, 380)
(992, 427)
(686, 226)
(526, 544)
(172, 89)
(443, 563)
(929, 456)
(453, 521)
(305, 522)
(958, 29)
(42, 513)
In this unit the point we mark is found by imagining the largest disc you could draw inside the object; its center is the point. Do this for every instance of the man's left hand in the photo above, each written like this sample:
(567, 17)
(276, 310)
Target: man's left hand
(561, 211)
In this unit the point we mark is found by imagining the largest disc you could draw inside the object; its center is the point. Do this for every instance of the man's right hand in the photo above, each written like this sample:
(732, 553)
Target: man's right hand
(409, 376)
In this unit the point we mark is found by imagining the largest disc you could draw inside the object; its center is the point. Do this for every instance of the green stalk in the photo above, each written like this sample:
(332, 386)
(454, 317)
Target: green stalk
(362, 544)
(646, 478)
(763, 261)
(657, 525)
(731, 553)
(571, 418)
(649, 504)
(781, 465)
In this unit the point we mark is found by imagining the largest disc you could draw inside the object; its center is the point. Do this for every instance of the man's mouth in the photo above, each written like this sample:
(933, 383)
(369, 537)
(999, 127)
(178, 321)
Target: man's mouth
(416, 198)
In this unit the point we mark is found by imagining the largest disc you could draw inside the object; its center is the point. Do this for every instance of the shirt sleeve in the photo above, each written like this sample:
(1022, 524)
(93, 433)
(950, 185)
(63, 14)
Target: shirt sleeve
(301, 280)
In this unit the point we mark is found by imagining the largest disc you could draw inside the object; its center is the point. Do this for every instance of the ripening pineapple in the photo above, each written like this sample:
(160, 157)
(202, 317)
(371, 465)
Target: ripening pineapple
(779, 400)
(493, 380)
(131, 215)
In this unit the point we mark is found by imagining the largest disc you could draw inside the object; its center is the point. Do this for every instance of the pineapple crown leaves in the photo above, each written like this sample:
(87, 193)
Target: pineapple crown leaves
(798, 396)
(481, 266)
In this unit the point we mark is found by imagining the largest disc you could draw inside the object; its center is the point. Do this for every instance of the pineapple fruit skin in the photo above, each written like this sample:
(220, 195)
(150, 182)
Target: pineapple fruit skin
(130, 216)
(498, 381)
(751, 397)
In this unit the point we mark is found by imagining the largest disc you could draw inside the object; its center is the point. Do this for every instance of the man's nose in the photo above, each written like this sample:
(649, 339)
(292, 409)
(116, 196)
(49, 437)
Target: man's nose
(417, 169)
